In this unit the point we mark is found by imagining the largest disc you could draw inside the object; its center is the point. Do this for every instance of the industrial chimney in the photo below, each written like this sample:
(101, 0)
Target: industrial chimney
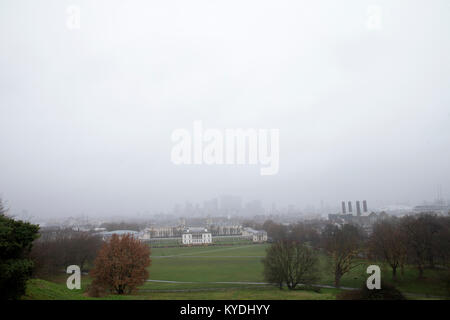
(343, 207)
(358, 208)
(364, 205)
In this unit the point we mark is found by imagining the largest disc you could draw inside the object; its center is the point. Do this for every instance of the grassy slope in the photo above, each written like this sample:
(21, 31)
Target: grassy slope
(39, 289)
(248, 294)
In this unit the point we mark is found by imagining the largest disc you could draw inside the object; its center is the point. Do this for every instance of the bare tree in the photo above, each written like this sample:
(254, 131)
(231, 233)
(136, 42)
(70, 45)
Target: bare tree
(56, 249)
(422, 239)
(387, 242)
(290, 262)
(343, 244)
(442, 243)
(305, 233)
(273, 266)
(274, 230)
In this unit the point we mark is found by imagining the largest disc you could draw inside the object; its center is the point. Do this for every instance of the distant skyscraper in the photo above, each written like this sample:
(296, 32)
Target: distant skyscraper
(350, 207)
(254, 207)
(211, 207)
(274, 208)
(230, 204)
(343, 207)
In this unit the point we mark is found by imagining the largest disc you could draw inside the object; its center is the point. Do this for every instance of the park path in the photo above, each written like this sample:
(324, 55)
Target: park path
(260, 284)
(245, 283)
(178, 256)
(211, 282)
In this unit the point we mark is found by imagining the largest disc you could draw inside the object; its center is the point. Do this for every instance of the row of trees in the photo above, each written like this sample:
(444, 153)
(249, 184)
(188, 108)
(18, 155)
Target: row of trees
(118, 265)
(57, 249)
(422, 240)
(303, 232)
(294, 259)
(111, 226)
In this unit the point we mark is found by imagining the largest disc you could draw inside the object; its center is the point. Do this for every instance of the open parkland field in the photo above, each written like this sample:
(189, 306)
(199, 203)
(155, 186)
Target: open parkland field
(229, 272)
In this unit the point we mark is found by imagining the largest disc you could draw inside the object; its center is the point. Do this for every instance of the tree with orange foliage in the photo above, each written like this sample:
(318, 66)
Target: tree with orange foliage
(121, 265)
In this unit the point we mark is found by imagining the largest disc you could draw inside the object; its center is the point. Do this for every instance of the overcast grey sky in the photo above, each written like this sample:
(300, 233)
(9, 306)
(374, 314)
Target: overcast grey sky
(86, 115)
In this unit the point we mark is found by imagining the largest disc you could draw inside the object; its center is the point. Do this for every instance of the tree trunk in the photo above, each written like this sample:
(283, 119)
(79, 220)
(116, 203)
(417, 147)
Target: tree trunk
(394, 273)
(337, 280)
(82, 265)
(431, 262)
(119, 290)
(420, 271)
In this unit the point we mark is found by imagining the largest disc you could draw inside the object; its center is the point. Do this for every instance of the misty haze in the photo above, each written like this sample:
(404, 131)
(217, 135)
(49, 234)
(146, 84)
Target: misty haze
(87, 112)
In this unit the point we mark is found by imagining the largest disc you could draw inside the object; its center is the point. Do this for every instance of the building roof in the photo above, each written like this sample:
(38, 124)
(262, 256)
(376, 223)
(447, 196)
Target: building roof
(195, 230)
(118, 232)
(251, 230)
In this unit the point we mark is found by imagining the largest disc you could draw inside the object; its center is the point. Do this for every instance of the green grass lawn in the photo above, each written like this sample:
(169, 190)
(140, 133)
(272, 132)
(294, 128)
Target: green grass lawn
(207, 269)
(431, 285)
(38, 289)
(248, 294)
(243, 263)
(208, 251)
(201, 267)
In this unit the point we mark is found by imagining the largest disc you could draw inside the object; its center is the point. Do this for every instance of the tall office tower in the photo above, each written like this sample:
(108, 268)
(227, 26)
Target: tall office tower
(211, 206)
(350, 207)
(254, 207)
(343, 207)
(230, 204)
(364, 205)
(358, 208)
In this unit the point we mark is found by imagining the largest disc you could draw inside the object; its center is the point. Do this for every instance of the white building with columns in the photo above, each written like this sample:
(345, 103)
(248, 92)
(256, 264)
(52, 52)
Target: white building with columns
(196, 236)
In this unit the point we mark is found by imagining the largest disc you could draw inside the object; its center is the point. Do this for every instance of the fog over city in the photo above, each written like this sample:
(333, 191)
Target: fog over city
(87, 113)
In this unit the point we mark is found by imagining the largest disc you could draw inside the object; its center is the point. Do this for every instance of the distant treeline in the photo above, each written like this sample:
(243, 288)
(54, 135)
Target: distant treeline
(422, 240)
(54, 250)
(111, 226)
